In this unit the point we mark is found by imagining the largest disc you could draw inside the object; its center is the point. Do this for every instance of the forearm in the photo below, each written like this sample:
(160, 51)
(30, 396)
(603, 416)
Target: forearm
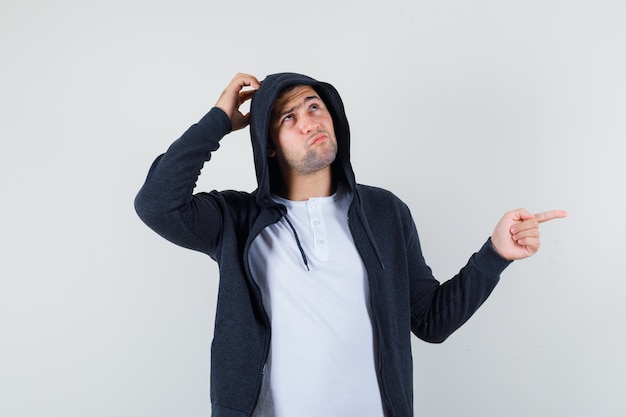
(168, 188)
(453, 302)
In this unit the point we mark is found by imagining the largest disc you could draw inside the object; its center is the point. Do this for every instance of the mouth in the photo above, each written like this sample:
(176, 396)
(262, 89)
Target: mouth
(317, 138)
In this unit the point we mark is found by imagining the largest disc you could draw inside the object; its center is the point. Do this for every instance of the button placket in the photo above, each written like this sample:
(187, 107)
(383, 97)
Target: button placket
(317, 226)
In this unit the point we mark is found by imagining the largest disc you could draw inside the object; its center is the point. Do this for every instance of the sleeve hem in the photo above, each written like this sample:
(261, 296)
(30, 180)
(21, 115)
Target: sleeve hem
(218, 120)
(490, 261)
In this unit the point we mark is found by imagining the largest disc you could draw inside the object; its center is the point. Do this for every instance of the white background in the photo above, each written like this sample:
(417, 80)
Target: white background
(464, 109)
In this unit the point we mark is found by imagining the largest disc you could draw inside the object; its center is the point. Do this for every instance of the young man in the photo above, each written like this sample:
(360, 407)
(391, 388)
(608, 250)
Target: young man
(322, 280)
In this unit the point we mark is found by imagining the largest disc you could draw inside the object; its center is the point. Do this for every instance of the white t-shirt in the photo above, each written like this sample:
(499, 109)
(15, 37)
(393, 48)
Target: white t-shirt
(321, 361)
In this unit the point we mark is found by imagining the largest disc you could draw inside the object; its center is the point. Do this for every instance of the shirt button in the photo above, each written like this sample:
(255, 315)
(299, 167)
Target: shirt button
(320, 242)
(316, 222)
(312, 205)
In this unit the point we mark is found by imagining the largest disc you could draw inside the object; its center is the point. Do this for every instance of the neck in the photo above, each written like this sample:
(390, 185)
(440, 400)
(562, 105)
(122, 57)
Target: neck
(299, 187)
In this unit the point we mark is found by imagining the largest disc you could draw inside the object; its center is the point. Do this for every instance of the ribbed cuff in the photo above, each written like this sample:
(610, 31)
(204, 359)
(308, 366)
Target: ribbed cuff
(490, 261)
(218, 120)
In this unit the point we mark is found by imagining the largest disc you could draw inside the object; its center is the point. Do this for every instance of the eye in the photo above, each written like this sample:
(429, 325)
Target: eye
(288, 118)
(314, 107)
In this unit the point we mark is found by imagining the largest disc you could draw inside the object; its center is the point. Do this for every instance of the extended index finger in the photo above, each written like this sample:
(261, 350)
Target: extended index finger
(550, 215)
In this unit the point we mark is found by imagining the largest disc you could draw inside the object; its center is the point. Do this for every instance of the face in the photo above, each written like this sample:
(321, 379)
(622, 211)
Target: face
(302, 132)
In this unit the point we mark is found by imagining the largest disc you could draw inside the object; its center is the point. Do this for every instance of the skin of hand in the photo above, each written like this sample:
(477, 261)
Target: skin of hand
(516, 236)
(234, 95)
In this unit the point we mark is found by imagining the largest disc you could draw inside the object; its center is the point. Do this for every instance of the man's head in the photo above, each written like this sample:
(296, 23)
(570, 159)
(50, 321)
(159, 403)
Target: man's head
(285, 157)
(302, 134)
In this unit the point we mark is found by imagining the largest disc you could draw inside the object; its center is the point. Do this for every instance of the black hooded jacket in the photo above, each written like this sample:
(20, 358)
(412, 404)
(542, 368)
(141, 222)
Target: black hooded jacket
(405, 297)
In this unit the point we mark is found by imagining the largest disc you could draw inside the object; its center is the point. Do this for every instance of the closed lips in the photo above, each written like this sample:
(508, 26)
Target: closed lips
(318, 138)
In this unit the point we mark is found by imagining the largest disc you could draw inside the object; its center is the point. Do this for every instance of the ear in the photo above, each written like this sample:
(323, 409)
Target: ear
(271, 148)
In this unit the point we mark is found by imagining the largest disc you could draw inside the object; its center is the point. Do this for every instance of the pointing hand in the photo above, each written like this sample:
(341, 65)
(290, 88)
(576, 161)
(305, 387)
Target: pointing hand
(516, 236)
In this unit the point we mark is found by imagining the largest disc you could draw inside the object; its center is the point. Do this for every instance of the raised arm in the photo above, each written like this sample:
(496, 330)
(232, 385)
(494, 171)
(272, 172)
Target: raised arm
(166, 202)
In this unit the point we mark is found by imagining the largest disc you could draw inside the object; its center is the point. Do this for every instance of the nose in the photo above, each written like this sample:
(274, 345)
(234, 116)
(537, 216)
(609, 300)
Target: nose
(309, 124)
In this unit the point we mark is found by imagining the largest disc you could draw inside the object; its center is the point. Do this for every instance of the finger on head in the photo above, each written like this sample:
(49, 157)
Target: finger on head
(245, 96)
(248, 80)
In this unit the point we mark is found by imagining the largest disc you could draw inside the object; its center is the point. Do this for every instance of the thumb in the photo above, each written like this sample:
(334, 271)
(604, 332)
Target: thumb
(521, 214)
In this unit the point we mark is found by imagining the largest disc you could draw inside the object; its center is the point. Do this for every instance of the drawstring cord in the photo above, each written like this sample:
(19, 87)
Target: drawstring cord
(295, 235)
(366, 226)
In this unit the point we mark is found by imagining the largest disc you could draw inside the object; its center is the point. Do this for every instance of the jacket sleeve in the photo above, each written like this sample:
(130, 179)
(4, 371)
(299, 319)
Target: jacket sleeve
(437, 310)
(166, 202)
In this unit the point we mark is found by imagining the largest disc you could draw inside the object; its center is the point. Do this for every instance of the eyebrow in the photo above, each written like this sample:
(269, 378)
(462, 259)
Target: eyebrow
(306, 100)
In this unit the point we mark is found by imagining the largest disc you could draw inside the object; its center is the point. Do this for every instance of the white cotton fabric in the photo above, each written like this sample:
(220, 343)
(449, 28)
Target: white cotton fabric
(321, 361)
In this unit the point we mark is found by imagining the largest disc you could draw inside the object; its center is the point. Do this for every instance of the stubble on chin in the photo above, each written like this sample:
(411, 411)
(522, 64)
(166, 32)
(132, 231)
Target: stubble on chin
(317, 159)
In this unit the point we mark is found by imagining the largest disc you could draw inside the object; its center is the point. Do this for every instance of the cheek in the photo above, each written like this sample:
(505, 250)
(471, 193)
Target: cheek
(328, 121)
(287, 136)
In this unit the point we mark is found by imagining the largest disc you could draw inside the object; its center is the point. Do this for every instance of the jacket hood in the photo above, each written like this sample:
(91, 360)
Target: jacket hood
(260, 112)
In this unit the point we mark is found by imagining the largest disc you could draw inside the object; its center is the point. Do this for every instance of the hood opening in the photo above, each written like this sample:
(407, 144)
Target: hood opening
(267, 171)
